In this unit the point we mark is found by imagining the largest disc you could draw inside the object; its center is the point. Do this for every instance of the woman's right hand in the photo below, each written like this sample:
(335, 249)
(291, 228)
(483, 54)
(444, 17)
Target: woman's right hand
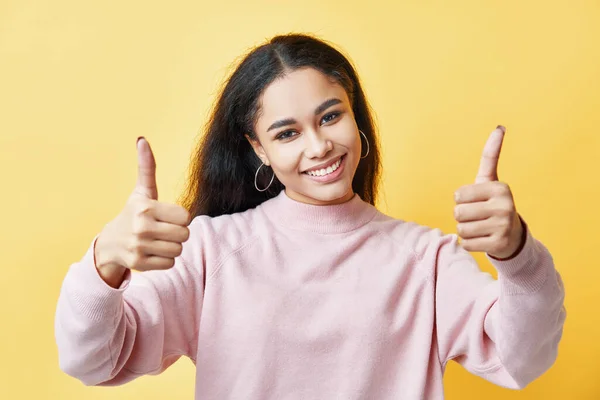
(146, 235)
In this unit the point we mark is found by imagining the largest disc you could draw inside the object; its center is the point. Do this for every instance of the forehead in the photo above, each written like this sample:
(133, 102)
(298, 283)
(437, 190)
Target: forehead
(297, 93)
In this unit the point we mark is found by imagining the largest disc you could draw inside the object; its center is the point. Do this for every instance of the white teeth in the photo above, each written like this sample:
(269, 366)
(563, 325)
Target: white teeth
(326, 171)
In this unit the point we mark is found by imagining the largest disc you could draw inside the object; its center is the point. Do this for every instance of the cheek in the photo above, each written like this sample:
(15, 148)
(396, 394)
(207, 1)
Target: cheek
(287, 160)
(354, 143)
(345, 132)
(357, 144)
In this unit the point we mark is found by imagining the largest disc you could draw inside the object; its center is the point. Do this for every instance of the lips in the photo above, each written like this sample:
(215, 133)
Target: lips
(323, 165)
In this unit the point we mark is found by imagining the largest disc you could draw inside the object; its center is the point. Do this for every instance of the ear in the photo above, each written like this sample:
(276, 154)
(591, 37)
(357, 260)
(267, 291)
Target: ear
(258, 149)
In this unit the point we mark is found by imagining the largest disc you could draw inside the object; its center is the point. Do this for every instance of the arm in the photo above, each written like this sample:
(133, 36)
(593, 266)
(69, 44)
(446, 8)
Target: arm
(108, 336)
(506, 331)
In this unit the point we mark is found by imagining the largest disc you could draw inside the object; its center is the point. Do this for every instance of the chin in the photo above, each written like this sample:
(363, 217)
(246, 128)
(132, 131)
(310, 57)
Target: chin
(326, 194)
(331, 194)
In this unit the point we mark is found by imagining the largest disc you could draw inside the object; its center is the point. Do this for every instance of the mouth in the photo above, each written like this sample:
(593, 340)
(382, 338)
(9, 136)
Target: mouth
(329, 172)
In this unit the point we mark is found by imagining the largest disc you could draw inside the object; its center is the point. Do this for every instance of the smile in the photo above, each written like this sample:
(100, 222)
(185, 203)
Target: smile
(328, 174)
(326, 170)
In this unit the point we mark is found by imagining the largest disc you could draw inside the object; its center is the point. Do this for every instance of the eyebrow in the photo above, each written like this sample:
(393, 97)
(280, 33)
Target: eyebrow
(290, 121)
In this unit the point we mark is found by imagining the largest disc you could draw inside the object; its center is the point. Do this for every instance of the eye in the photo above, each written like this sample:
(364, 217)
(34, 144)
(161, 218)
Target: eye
(285, 135)
(330, 117)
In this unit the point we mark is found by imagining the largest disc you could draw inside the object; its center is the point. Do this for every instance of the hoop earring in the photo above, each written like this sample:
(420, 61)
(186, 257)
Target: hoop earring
(368, 146)
(256, 177)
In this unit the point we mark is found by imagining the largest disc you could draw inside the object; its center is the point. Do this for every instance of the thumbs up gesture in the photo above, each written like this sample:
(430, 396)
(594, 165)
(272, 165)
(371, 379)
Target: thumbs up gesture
(147, 234)
(485, 211)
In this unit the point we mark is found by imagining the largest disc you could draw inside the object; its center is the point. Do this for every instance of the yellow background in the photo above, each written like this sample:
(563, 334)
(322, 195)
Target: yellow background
(80, 81)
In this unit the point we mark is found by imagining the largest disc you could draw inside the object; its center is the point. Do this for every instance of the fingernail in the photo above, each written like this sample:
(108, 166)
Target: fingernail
(503, 129)
(138, 140)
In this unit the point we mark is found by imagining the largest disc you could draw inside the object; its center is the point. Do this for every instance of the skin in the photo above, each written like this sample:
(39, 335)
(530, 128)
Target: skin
(320, 133)
(485, 211)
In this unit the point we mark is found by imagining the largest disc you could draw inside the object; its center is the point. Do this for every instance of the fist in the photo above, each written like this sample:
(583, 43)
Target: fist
(485, 211)
(147, 234)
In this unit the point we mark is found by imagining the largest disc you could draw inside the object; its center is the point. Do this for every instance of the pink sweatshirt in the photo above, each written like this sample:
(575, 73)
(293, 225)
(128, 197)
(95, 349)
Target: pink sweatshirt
(293, 301)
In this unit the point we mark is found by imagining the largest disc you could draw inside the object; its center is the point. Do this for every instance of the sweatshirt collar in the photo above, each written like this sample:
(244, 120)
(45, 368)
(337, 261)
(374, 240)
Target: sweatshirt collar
(328, 219)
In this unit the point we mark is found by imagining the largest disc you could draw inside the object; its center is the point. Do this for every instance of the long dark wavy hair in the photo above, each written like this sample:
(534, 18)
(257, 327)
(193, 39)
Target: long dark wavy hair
(223, 166)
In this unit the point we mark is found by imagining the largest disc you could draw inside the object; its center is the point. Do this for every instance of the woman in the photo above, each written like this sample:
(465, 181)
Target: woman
(288, 282)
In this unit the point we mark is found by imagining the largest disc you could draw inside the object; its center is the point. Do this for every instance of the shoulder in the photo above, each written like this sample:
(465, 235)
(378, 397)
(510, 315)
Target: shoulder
(412, 236)
(229, 227)
(213, 239)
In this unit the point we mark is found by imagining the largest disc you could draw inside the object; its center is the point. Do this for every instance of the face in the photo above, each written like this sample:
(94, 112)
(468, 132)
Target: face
(308, 135)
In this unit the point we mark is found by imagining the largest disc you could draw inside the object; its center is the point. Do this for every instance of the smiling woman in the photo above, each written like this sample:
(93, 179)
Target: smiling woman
(321, 138)
(298, 103)
(291, 284)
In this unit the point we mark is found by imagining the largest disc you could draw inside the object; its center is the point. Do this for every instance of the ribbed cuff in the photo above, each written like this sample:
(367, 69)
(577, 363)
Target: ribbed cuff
(527, 271)
(90, 294)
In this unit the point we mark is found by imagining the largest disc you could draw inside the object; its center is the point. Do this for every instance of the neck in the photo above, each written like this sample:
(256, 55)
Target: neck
(315, 202)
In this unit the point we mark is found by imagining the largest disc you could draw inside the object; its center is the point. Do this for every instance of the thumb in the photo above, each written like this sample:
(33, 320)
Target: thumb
(146, 182)
(488, 166)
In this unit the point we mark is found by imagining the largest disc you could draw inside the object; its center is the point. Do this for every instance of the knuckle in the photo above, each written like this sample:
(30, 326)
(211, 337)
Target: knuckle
(457, 212)
(142, 226)
(504, 211)
(501, 207)
(178, 249)
(143, 206)
(188, 217)
(460, 229)
(135, 245)
(135, 260)
(508, 202)
(138, 226)
(501, 189)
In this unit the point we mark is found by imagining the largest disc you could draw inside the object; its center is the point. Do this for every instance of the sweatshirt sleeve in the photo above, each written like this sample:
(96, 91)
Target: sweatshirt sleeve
(507, 330)
(108, 336)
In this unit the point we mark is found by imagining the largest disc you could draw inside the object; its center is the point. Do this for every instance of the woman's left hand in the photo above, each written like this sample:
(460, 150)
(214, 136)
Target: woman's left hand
(485, 211)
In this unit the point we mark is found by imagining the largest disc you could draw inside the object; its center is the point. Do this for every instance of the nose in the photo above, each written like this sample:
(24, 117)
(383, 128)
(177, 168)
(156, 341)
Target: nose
(317, 146)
